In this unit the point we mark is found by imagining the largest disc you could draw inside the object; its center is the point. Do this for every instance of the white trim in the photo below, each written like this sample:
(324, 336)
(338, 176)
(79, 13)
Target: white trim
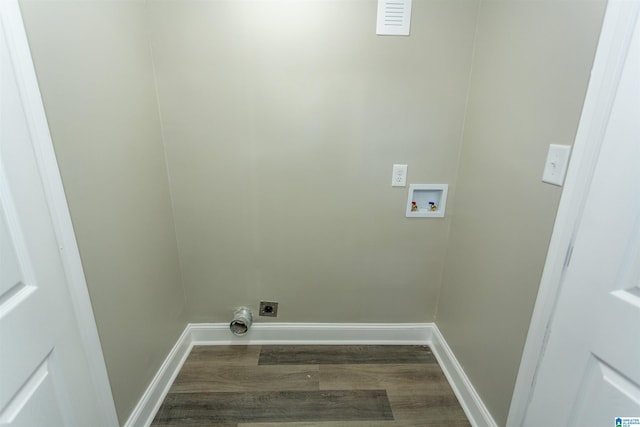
(58, 209)
(318, 334)
(469, 399)
(314, 333)
(153, 396)
(608, 64)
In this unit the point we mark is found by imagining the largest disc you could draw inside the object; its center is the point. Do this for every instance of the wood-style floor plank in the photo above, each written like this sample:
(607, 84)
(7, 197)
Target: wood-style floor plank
(279, 406)
(435, 407)
(396, 423)
(222, 355)
(211, 377)
(409, 378)
(283, 386)
(199, 425)
(347, 354)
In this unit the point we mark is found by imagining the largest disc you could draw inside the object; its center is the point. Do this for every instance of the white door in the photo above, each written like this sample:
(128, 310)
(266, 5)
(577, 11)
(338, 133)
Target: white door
(589, 374)
(48, 374)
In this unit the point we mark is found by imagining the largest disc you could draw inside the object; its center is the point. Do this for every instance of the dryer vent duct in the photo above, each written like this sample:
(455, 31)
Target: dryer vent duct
(241, 321)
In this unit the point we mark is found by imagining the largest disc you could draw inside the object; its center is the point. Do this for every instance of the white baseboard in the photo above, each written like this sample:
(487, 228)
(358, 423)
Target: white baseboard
(150, 402)
(313, 333)
(469, 399)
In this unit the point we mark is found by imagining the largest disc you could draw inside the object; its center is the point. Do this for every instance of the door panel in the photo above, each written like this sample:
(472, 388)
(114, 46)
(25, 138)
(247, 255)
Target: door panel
(45, 376)
(35, 403)
(33, 314)
(11, 282)
(610, 389)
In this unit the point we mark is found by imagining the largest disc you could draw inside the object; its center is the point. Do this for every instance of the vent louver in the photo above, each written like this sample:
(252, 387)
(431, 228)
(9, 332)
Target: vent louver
(394, 17)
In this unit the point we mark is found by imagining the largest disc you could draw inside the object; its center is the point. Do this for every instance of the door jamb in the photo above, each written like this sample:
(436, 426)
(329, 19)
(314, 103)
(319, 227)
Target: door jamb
(615, 38)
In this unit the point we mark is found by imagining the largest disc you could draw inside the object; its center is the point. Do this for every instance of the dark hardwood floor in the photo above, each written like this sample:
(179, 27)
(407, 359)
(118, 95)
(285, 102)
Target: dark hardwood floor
(311, 386)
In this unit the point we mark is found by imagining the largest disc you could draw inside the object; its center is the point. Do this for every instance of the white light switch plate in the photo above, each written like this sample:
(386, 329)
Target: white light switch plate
(399, 176)
(555, 167)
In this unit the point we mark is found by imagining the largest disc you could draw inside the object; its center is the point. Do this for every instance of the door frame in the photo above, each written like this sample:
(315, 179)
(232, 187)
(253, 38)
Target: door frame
(615, 37)
(57, 203)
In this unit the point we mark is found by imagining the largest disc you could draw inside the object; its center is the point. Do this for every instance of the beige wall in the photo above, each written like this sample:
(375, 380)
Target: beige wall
(96, 78)
(530, 71)
(282, 121)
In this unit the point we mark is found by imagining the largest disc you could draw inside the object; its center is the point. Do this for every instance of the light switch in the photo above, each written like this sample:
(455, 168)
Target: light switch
(555, 167)
(399, 176)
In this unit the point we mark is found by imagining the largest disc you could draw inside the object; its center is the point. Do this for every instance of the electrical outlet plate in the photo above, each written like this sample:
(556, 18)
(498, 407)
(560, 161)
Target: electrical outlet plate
(399, 176)
(268, 308)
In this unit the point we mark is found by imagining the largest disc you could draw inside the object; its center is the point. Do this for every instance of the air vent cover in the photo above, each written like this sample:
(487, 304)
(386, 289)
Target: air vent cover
(394, 17)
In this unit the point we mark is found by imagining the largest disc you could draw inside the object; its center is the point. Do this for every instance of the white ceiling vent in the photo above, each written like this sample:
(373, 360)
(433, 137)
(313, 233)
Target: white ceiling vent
(394, 17)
